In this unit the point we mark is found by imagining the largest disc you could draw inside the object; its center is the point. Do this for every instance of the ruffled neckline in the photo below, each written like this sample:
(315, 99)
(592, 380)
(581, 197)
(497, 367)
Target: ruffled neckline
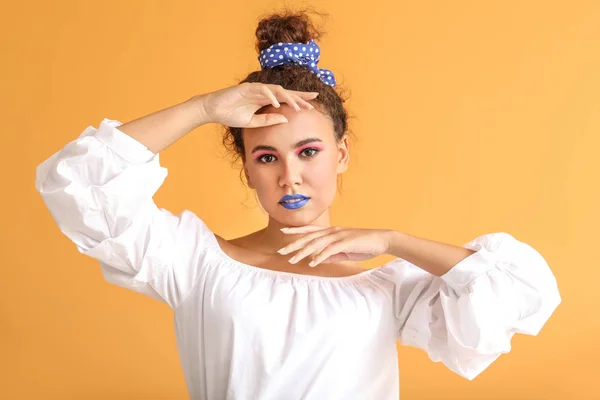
(288, 275)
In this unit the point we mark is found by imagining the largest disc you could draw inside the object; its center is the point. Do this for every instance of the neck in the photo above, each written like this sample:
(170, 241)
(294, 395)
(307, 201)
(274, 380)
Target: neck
(272, 239)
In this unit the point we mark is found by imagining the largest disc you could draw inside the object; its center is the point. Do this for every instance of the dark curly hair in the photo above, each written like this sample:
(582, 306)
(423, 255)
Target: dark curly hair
(294, 27)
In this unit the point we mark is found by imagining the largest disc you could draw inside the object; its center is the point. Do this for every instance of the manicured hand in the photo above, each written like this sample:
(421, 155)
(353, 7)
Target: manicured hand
(334, 244)
(236, 106)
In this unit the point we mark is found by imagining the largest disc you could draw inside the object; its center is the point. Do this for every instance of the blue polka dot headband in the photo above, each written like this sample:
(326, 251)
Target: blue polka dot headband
(306, 55)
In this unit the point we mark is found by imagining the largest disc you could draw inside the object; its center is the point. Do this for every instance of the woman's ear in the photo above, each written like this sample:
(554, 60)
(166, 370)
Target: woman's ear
(250, 185)
(343, 155)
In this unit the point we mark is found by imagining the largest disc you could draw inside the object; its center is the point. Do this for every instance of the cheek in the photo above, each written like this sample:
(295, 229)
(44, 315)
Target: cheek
(322, 173)
(260, 178)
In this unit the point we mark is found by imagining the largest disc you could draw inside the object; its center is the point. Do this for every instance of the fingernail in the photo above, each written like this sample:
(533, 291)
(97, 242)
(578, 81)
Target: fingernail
(292, 260)
(282, 251)
(312, 263)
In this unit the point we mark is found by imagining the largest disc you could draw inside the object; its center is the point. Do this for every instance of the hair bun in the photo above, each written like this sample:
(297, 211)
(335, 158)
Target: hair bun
(289, 26)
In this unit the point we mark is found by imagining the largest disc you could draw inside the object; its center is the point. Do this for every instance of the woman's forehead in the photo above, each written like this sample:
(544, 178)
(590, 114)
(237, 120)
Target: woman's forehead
(300, 125)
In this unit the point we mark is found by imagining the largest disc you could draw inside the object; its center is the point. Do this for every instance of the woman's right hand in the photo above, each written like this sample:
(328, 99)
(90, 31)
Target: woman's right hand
(235, 106)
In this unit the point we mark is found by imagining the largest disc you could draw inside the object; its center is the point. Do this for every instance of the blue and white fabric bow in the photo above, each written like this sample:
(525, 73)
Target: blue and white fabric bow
(304, 54)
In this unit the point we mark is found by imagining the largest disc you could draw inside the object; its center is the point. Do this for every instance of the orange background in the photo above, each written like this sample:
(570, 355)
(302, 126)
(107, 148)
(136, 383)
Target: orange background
(472, 117)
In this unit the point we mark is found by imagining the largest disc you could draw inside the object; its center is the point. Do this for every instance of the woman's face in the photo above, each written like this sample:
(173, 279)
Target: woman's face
(297, 157)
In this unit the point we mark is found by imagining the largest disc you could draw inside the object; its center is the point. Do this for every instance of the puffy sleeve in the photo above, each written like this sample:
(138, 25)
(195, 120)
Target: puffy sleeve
(99, 190)
(467, 317)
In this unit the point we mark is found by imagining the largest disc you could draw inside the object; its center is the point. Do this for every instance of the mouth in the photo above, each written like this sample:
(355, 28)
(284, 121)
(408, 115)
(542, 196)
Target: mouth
(292, 199)
(294, 202)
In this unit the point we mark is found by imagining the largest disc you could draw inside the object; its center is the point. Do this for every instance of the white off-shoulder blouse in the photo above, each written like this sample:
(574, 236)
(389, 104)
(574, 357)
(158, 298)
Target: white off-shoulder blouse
(245, 332)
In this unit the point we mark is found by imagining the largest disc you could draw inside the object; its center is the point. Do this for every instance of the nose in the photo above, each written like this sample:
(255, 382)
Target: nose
(291, 173)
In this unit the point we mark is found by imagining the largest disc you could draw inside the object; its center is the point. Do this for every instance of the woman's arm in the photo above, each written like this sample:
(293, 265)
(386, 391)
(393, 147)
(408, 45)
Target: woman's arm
(434, 257)
(467, 316)
(99, 189)
(233, 106)
(161, 129)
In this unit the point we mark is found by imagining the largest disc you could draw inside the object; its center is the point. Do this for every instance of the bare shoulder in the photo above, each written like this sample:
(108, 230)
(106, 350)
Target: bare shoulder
(242, 249)
(236, 247)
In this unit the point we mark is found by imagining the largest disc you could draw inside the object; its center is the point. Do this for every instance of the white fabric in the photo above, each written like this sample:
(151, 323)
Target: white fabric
(249, 333)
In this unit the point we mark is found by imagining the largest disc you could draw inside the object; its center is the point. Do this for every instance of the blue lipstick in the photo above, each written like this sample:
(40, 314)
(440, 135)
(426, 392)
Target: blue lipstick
(302, 200)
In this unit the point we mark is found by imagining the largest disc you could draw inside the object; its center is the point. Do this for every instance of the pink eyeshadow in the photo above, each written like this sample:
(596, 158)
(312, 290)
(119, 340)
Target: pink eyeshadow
(259, 154)
(313, 145)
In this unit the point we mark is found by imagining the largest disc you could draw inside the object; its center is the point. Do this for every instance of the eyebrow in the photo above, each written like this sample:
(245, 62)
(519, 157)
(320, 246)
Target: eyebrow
(299, 144)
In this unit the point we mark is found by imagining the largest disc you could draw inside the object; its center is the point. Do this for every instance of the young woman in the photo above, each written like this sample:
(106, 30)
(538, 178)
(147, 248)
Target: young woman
(250, 322)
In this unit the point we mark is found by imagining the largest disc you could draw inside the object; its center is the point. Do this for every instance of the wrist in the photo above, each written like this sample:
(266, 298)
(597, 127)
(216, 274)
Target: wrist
(394, 240)
(198, 106)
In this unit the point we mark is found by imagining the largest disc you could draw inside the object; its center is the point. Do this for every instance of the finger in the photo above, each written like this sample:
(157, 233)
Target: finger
(306, 251)
(314, 246)
(303, 103)
(302, 242)
(286, 97)
(291, 100)
(302, 229)
(268, 119)
(269, 94)
(333, 259)
(331, 253)
(304, 95)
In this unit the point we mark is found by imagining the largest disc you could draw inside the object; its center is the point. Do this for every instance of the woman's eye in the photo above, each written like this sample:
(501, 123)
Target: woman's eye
(262, 159)
(311, 149)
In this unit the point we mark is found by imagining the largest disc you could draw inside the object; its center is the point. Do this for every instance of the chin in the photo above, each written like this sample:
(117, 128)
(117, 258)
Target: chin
(293, 217)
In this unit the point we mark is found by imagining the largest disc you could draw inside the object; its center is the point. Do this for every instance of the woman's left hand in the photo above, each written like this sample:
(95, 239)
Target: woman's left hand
(333, 244)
